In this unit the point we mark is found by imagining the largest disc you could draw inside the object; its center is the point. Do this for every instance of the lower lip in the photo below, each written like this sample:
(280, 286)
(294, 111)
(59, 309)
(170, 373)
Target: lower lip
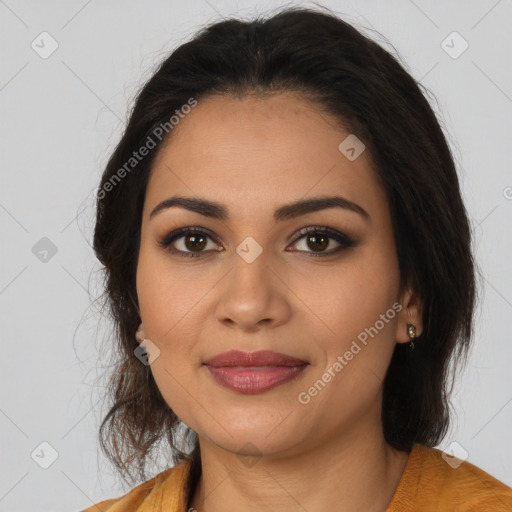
(254, 380)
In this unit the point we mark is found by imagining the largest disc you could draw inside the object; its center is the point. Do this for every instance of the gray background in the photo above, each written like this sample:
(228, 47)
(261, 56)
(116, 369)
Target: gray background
(61, 117)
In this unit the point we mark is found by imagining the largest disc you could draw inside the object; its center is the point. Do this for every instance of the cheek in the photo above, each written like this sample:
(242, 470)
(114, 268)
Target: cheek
(168, 298)
(349, 297)
(176, 382)
(357, 306)
(167, 310)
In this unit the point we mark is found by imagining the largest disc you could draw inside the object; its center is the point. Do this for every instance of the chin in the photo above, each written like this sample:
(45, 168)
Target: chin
(255, 439)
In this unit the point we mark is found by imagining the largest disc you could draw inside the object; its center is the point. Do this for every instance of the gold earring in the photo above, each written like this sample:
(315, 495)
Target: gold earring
(411, 331)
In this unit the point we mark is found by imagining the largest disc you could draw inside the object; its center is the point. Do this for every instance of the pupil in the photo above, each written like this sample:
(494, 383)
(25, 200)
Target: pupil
(198, 242)
(321, 245)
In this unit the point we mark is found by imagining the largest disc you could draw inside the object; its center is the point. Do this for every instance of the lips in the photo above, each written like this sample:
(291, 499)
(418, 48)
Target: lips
(254, 372)
(260, 358)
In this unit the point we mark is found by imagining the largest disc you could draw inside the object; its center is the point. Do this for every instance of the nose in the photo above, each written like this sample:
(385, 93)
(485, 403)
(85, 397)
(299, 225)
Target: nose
(252, 296)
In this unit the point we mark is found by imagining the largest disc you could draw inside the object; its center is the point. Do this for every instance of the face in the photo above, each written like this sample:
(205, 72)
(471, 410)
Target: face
(319, 284)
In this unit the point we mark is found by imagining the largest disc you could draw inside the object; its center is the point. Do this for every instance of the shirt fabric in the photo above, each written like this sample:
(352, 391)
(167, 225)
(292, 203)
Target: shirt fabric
(428, 484)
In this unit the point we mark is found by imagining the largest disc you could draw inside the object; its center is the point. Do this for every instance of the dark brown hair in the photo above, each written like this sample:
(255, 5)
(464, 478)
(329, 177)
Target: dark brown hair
(364, 87)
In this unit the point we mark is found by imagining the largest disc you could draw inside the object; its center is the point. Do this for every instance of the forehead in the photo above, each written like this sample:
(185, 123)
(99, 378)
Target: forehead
(250, 152)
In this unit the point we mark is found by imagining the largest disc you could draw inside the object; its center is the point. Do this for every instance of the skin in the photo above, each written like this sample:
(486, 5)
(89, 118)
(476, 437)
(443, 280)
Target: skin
(254, 155)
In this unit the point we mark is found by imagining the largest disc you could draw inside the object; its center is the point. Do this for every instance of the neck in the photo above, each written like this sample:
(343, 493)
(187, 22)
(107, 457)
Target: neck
(356, 472)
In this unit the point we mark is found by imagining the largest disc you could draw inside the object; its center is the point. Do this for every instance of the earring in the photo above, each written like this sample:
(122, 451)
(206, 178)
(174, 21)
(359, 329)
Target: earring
(411, 331)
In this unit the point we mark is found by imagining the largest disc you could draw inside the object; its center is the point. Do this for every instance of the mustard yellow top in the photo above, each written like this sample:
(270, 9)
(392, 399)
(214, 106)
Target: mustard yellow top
(428, 484)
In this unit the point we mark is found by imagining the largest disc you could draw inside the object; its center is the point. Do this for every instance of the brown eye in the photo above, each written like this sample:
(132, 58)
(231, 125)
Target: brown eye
(318, 239)
(189, 242)
(195, 242)
(318, 242)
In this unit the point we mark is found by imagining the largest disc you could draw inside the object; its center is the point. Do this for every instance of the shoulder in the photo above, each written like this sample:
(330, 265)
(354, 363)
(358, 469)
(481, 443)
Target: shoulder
(433, 481)
(150, 494)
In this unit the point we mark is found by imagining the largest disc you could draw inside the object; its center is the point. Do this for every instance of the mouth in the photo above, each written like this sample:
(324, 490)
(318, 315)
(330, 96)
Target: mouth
(254, 372)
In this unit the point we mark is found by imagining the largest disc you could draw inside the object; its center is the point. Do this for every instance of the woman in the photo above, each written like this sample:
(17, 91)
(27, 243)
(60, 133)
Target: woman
(288, 265)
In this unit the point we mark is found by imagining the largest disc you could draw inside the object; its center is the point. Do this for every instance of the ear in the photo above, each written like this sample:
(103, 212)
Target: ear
(411, 313)
(140, 335)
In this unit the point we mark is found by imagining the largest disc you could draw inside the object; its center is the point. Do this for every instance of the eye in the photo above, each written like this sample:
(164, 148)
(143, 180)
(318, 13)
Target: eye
(192, 242)
(189, 242)
(320, 238)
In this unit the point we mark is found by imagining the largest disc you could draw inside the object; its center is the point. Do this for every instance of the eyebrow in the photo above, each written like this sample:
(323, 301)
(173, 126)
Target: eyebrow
(289, 211)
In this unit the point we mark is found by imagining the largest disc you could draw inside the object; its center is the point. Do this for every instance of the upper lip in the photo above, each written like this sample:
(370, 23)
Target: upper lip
(260, 358)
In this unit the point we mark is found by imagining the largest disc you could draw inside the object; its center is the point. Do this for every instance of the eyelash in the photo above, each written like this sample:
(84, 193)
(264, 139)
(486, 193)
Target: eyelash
(341, 238)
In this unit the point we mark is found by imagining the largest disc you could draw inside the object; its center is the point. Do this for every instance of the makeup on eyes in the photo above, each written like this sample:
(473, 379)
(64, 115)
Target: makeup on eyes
(203, 237)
